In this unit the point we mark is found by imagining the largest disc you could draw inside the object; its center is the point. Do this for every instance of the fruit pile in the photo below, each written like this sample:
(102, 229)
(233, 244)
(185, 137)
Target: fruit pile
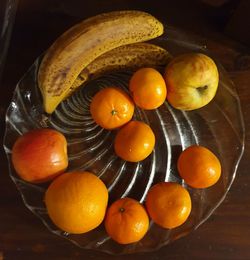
(77, 202)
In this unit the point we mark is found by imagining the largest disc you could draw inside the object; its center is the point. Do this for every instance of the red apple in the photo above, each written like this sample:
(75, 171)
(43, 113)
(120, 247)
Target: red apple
(40, 155)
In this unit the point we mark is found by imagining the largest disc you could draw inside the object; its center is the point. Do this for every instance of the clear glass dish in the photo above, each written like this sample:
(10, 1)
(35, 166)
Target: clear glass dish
(218, 126)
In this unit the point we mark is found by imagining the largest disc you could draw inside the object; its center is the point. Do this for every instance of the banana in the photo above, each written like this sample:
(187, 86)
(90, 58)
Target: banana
(83, 43)
(131, 56)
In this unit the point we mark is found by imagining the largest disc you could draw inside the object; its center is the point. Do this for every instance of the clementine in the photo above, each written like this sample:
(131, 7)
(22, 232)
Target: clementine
(40, 155)
(148, 88)
(126, 221)
(111, 108)
(134, 142)
(76, 202)
(168, 204)
(199, 167)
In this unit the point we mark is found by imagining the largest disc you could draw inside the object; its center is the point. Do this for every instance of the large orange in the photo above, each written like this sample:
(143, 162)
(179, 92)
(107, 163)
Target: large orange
(126, 221)
(168, 204)
(40, 155)
(76, 202)
(148, 88)
(111, 108)
(135, 141)
(199, 167)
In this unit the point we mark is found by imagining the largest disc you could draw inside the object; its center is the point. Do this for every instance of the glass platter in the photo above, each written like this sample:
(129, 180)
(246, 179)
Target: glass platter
(218, 126)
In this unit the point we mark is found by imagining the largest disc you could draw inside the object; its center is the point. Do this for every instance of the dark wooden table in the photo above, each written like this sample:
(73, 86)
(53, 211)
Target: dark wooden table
(225, 235)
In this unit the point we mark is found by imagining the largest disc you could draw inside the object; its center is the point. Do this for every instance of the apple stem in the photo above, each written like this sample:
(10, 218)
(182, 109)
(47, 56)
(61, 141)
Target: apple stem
(201, 90)
(121, 210)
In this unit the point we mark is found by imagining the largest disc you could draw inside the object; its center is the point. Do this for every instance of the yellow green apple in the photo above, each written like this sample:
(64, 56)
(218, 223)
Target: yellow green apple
(192, 81)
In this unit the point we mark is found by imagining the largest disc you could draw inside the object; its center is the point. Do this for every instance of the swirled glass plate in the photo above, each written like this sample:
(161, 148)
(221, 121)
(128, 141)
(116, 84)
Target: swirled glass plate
(218, 126)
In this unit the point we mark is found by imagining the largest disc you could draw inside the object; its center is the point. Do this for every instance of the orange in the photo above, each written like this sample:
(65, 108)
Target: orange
(168, 204)
(126, 221)
(199, 167)
(148, 88)
(76, 202)
(40, 155)
(134, 142)
(111, 108)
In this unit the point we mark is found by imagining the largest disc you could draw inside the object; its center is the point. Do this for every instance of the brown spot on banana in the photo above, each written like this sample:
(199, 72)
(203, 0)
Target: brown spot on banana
(86, 41)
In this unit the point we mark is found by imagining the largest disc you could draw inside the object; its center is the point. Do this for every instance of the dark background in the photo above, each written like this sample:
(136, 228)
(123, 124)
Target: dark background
(224, 25)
